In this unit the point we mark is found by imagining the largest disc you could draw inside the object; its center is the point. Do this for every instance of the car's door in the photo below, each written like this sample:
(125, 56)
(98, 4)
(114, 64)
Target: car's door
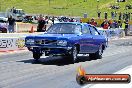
(86, 41)
(97, 39)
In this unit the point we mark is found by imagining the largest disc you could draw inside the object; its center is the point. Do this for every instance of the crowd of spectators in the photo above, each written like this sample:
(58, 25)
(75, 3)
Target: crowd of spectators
(42, 21)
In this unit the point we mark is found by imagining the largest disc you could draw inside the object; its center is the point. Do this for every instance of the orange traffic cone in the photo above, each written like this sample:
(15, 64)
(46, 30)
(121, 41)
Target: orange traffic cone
(32, 30)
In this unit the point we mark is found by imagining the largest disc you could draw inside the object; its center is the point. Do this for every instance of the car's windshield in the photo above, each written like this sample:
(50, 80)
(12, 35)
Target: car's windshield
(64, 28)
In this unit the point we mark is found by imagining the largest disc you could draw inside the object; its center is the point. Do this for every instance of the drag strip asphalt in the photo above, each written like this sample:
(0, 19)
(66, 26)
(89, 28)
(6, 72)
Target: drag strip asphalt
(21, 71)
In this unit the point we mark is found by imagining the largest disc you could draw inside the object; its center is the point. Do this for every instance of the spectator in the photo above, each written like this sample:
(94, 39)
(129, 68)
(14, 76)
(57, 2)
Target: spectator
(99, 14)
(11, 22)
(112, 15)
(53, 18)
(93, 22)
(115, 14)
(13, 10)
(123, 25)
(41, 24)
(110, 23)
(71, 20)
(105, 24)
(120, 16)
(124, 16)
(119, 24)
(46, 19)
(106, 15)
(126, 27)
(114, 24)
(129, 16)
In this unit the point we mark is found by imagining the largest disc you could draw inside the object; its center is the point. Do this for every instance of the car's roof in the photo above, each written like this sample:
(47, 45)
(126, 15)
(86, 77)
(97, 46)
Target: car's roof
(72, 23)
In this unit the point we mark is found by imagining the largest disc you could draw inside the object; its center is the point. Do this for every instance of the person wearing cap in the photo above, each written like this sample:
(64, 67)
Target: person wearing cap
(93, 22)
(11, 22)
(126, 27)
(105, 24)
(119, 24)
(41, 24)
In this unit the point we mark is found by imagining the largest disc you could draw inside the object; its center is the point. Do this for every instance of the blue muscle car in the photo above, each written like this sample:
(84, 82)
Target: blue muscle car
(68, 38)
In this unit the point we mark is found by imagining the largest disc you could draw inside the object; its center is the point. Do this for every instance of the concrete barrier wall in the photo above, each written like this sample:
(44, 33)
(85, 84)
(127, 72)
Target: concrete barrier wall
(24, 27)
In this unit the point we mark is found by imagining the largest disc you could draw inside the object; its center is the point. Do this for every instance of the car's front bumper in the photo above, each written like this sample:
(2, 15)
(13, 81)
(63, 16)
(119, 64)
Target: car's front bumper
(50, 49)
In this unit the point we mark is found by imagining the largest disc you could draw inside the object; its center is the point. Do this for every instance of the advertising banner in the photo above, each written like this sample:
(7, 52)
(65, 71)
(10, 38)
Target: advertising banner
(12, 44)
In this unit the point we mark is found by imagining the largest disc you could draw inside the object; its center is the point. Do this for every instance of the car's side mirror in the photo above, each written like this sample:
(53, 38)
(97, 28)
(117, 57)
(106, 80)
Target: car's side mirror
(79, 33)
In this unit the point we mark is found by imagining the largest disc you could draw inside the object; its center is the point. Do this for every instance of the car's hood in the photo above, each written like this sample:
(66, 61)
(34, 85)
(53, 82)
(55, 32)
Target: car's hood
(54, 36)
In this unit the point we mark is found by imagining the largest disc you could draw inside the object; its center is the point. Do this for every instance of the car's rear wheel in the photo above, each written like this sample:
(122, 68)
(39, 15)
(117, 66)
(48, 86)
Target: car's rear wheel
(73, 56)
(36, 56)
(97, 55)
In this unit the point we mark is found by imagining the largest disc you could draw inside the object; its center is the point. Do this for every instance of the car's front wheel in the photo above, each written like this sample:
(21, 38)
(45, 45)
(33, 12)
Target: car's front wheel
(36, 56)
(73, 55)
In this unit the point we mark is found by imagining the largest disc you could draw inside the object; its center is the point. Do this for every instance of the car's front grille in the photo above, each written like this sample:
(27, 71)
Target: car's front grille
(45, 42)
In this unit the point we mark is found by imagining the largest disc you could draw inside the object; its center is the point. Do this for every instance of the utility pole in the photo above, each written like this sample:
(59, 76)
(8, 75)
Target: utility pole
(49, 2)
(0, 6)
(97, 5)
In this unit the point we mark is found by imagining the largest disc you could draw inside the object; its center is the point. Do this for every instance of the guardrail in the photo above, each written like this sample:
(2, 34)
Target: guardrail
(16, 41)
(116, 33)
(112, 32)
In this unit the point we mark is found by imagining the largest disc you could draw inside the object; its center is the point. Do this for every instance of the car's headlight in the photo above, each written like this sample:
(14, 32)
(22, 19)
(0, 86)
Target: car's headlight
(29, 41)
(62, 42)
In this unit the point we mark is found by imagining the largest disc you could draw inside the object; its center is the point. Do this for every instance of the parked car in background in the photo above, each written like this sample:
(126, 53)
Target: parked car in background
(27, 19)
(3, 25)
(17, 14)
(68, 39)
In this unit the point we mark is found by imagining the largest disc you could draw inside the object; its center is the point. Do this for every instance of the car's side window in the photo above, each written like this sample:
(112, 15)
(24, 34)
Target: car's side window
(94, 31)
(86, 30)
